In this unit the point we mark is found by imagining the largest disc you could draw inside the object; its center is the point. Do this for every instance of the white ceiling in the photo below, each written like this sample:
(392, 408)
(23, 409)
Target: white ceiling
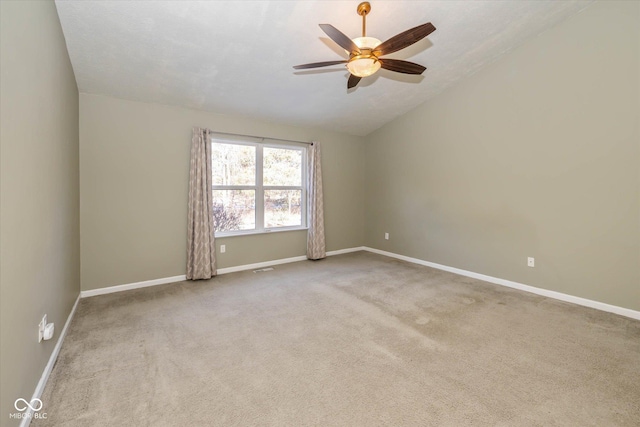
(236, 57)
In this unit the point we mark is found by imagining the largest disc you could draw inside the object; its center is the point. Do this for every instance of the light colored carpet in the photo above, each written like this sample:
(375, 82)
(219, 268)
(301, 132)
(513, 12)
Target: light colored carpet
(353, 340)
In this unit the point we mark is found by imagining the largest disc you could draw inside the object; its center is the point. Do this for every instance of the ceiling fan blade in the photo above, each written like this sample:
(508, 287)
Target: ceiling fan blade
(401, 66)
(353, 81)
(337, 36)
(404, 39)
(319, 64)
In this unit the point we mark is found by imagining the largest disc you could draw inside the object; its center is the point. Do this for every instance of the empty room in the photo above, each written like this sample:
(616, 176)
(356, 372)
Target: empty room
(319, 213)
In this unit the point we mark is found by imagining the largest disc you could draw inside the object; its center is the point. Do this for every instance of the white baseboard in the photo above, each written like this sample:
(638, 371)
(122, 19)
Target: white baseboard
(227, 270)
(503, 282)
(281, 261)
(539, 291)
(258, 265)
(129, 286)
(26, 420)
(346, 251)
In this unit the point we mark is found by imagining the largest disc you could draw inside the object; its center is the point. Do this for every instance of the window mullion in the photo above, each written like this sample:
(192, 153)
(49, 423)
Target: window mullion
(259, 189)
(305, 180)
(233, 187)
(282, 187)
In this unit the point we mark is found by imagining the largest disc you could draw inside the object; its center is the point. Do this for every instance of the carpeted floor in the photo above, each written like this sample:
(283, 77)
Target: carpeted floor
(352, 340)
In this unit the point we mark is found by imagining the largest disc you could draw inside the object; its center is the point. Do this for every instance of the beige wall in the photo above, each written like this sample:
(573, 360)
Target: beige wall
(134, 167)
(535, 155)
(39, 201)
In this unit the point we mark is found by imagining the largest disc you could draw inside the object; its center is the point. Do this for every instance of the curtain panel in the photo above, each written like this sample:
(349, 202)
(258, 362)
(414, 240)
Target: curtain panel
(315, 236)
(201, 249)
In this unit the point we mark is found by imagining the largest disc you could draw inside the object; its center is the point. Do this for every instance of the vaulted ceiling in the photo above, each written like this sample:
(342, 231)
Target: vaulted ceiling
(236, 57)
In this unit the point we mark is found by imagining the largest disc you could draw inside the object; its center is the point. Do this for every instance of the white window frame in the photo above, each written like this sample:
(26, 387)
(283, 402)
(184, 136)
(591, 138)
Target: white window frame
(259, 188)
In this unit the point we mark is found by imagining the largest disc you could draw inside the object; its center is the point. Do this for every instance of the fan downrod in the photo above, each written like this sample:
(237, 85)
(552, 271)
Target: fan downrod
(363, 9)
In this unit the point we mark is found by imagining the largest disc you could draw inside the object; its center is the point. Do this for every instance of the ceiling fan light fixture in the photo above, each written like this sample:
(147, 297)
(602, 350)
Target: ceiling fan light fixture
(365, 52)
(366, 42)
(366, 63)
(363, 65)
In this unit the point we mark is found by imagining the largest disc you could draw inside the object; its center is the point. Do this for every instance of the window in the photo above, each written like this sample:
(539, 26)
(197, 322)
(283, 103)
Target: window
(257, 187)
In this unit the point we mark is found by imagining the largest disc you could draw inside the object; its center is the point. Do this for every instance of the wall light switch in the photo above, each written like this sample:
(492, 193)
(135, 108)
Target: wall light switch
(223, 248)
(386, 236)
(531, 262)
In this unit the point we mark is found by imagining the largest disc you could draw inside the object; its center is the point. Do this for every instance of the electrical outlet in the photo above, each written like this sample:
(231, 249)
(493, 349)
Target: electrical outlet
(41, 326)
(386, 236)
(223, 249)
(531, 262)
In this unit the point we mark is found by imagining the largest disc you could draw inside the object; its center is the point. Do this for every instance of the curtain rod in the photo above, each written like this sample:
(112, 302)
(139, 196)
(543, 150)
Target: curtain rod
(262, 137)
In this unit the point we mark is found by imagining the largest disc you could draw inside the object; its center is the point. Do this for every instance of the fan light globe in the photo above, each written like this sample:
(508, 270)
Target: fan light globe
(363, 67)
(366, 42)
(366, 64)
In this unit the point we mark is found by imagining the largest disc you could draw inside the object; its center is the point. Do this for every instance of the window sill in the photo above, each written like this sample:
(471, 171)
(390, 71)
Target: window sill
(253, 232)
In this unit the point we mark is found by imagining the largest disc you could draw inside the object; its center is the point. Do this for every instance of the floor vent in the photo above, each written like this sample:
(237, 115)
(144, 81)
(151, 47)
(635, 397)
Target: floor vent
(262, 270)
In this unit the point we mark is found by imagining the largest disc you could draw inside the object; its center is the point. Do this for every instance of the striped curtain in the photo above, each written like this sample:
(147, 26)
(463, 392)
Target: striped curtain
(315, 207)
(201, 249)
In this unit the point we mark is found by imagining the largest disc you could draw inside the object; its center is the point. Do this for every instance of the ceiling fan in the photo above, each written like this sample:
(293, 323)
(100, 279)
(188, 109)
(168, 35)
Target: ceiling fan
(365, 52)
